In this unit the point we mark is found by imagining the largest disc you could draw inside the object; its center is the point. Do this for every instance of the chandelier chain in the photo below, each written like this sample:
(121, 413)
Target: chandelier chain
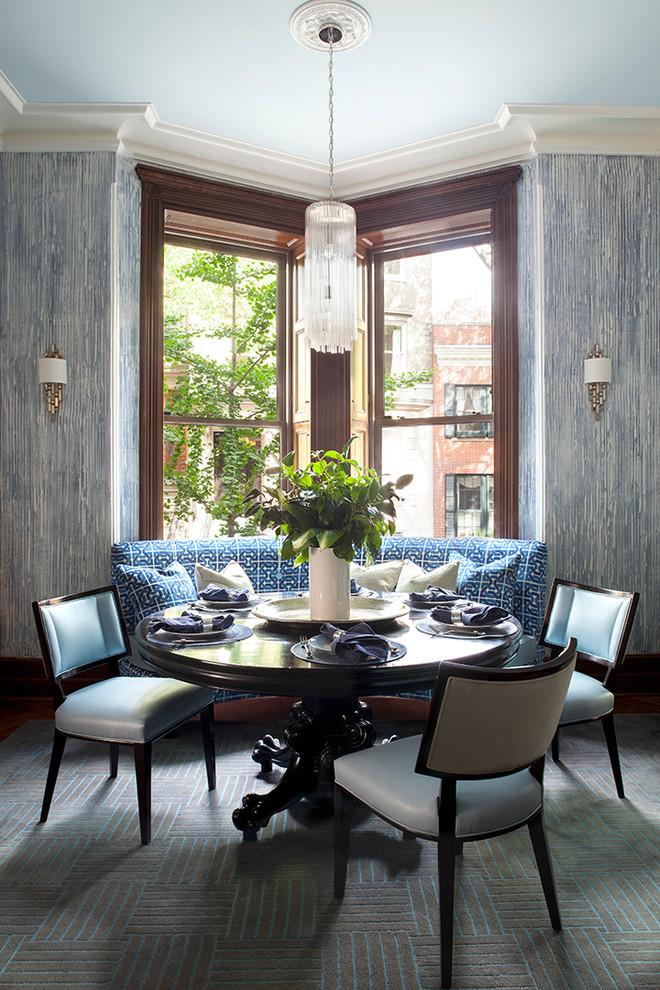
(331, 111)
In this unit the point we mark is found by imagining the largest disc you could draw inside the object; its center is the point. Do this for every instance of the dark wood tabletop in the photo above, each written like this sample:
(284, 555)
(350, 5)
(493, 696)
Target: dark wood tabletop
(264, 663)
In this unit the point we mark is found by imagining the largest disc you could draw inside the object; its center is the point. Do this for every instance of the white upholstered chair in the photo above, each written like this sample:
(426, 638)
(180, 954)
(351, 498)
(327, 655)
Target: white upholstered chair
(475, 772)
(601, 621)
(81, 632)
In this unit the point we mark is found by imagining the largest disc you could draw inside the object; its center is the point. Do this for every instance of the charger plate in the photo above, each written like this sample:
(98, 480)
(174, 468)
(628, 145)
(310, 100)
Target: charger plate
(293, 613)
(321, 652)
(232, 634)
(501, 629)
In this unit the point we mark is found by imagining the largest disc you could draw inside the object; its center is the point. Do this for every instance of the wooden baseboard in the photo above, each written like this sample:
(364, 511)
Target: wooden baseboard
(24, 678)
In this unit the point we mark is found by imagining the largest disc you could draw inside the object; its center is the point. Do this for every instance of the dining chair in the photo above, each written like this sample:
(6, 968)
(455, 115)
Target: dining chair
(82, 632)
(601, 621)
(474, 773)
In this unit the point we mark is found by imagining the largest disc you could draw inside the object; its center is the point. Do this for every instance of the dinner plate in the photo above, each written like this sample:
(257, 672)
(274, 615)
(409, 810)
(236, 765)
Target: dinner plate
(425, 606)
(232, 634)
(201, 603)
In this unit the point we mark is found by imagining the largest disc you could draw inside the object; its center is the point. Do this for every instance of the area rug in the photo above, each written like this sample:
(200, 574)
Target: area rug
(83, 904)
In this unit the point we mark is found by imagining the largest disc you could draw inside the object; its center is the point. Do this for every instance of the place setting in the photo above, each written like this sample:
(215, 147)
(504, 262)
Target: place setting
(358, 645)
(192, 629)
(215, 598)
(453, 615)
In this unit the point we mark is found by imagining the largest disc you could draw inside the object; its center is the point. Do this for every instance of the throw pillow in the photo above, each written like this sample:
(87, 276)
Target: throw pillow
(378, 577)
(153, 589)
(415, 578)
(232, 576)
(492, 584)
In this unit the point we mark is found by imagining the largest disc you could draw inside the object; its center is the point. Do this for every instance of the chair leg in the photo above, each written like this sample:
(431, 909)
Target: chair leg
(208, 735)
(343, 815)
(613, 750)
(544, 864)
(142, 753)
(59, 742)
(446, 877)
(554, 747)
(114, 759)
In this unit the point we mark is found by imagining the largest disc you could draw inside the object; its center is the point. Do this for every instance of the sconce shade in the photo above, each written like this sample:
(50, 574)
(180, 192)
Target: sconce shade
(330, 276)
(52, 369)
(597, 369)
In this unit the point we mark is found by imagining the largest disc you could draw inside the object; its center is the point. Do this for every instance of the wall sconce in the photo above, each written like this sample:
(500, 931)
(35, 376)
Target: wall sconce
(53, 377)
(597, 373)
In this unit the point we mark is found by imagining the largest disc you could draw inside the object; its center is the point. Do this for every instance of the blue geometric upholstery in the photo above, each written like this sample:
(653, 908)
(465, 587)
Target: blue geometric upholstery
(259, 558)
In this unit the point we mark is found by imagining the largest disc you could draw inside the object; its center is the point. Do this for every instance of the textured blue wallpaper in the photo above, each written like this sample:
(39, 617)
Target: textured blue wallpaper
(56, 288)
(599, 278)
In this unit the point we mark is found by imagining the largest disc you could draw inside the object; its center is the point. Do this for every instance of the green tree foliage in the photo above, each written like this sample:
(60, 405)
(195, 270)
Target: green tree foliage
(220, 363)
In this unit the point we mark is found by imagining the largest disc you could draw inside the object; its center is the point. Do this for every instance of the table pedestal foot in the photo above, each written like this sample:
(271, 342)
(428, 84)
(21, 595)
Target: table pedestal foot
(319, 730)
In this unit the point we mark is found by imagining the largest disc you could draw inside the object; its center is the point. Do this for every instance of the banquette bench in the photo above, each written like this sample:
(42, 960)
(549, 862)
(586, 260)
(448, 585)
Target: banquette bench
(155, 574)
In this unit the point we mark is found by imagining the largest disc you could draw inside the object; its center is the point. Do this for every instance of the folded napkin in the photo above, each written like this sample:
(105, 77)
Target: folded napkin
(471, 615)
(188, 623)
(214, 593)
(357, 644)
(437, 595)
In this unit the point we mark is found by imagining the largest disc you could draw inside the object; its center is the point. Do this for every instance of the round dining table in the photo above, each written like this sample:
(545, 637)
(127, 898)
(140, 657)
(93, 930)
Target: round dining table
(263, 655)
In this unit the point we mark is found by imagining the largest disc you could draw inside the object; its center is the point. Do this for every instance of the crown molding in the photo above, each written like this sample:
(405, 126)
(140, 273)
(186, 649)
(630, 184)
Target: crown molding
(519, 132)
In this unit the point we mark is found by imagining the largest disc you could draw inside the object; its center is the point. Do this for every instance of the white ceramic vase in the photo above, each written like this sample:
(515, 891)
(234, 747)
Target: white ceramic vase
(329, 586)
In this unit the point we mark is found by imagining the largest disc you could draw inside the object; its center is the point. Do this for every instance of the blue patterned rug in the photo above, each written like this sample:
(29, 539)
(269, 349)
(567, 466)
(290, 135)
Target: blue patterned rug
(84, 905)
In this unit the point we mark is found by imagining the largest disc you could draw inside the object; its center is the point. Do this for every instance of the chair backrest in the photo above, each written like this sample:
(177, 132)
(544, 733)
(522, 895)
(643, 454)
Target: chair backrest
(599, 619)
(487, 722)
(80, 631)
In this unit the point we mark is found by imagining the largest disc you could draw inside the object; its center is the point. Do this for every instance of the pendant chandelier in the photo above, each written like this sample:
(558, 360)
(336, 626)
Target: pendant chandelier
(330, 227)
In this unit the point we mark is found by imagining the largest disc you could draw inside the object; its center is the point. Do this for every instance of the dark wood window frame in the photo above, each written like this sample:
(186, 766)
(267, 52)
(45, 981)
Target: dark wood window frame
(407, 217)
(494, 192)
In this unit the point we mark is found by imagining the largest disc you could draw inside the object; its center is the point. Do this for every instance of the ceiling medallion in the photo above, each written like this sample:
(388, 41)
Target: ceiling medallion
(308, 22)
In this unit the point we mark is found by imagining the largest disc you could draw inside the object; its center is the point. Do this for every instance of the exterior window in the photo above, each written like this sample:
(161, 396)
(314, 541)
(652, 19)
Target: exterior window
(468, 505)
(393, 349)
(468, 400)
(447, 370)
(220, 423)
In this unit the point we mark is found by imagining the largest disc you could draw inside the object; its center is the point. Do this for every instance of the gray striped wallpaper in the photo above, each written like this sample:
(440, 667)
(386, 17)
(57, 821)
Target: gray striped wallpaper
(591, 274)
(56, 287)
(69, 275)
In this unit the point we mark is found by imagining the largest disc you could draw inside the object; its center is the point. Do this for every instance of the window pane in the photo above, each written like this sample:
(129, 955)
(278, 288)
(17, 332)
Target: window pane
(220, 339)
(208, 471)
(441, 304)
(439, 502)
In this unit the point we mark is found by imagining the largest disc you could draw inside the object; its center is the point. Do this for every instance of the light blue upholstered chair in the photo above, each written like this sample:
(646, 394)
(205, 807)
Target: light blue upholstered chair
(81, 632)
(485, 739)
(600, 620)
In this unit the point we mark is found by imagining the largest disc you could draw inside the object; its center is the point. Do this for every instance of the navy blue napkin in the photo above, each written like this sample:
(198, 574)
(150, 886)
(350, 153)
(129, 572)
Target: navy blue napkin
(357, 644)
(437, 595)
(471, 615)
(188, 623)
(214, 593)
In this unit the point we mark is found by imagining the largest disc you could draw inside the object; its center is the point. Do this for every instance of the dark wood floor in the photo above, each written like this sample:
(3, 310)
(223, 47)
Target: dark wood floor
(14, 713)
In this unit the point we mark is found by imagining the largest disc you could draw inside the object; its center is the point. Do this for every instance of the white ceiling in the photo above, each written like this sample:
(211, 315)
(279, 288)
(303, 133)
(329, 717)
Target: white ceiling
(428, 70)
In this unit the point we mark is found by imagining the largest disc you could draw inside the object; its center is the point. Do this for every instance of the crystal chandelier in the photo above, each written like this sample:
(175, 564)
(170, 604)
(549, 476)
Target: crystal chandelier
(330, 227)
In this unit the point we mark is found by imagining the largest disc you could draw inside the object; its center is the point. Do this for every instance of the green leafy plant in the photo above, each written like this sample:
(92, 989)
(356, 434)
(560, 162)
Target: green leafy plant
(333, 502)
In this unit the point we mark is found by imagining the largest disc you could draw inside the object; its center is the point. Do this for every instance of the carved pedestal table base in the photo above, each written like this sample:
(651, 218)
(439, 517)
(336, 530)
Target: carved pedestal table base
(319, 730)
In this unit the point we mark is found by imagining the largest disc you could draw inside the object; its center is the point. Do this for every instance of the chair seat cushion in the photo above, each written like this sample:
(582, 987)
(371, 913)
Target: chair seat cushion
(384, 779)
(130, 709)
(586, 699)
